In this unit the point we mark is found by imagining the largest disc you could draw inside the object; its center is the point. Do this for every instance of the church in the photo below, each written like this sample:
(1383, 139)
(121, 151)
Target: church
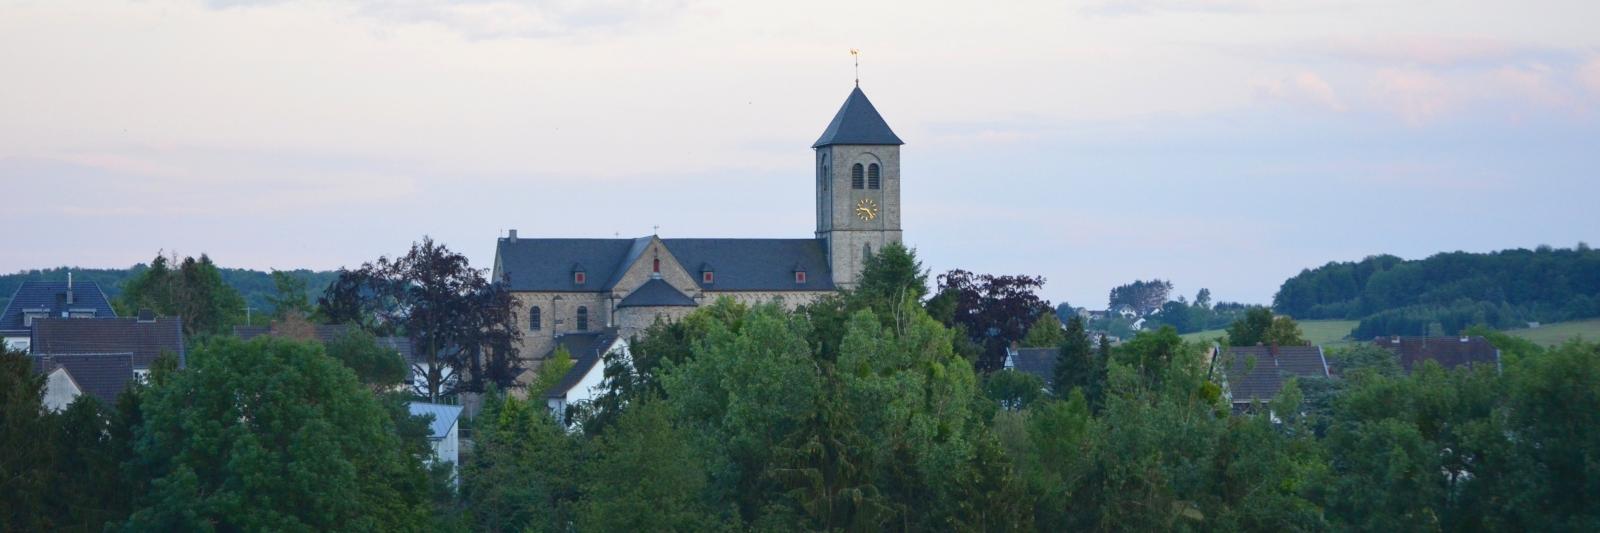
(617, 287)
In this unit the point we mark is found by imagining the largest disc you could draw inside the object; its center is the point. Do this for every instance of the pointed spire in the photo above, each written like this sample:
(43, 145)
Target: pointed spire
(858, 122)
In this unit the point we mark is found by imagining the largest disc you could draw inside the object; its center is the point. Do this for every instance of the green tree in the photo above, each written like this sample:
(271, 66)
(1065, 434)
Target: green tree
(1013, 390)
(645, 445)
(194, 291)
(289, 296)
(377, 366)
(272, 434)
(523, 473)
(1075, 364)
(550, 372)
(1046, 332)
(27, 466)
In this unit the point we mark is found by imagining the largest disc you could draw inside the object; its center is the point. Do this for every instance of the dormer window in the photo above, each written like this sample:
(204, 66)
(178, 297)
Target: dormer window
(578, 277)
(857, 176)
(800, 276)
(707, 277)
(873, 180)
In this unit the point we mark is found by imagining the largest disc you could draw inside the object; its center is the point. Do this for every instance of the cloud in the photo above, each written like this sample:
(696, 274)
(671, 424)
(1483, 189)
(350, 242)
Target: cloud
(1589, 75)
(1423, 50)
(1416, 96)
(496, 19)
(1305, 88)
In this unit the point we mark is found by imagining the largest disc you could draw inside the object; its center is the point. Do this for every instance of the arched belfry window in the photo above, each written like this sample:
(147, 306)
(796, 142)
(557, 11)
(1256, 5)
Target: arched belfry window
(535, 318)
(857, 177)
(656, 266)
(583, 318)
(872, 176)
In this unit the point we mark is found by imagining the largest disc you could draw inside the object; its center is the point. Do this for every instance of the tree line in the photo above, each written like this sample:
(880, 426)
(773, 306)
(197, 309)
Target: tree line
(1449, 291)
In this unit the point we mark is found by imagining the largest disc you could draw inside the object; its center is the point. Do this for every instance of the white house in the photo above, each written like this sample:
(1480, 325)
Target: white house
(443, 433)
(582, 383)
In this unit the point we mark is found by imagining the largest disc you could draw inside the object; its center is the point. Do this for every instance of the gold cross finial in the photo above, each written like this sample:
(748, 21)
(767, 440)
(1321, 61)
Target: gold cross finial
(855, 54)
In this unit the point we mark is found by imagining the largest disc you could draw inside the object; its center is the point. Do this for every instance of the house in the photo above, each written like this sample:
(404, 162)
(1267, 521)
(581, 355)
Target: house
(1449, 352)
(579, 285)
(583, 382)
(444, 432)
(1138, 324)
(49, 299)
(145, 338)
(1040, 362)
(1259, 372)
(101, 376)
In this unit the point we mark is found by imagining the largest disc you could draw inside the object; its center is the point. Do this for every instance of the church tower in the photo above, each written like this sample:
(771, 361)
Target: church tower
(858, 187)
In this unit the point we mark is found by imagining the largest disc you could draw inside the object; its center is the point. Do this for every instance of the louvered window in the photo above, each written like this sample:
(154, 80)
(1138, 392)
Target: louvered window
(857, 177)
(872, 176)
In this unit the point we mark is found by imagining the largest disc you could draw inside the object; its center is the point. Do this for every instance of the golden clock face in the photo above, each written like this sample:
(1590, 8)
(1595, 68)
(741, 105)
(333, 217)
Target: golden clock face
(866, 209)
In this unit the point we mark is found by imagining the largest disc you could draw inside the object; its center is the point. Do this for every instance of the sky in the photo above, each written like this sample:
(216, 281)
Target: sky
(1224, 144)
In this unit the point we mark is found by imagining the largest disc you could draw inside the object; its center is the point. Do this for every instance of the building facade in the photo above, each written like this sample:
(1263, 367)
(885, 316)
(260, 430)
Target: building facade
(565, 286)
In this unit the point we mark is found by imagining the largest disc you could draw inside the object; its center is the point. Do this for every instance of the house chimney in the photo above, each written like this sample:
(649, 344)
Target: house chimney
(146, 315)
(512, 237)
(70, 299)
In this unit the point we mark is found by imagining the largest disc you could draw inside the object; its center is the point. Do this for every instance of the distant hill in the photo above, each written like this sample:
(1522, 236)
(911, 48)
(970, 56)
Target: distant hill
(1447, 292)
(254, 285)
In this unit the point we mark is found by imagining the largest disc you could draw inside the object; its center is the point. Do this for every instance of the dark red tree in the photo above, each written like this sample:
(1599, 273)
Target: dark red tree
(993, 310)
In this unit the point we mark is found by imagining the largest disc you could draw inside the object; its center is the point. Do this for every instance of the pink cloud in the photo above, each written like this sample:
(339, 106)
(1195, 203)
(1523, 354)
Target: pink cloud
(1589, 75)
(1305, 88)
(1416, 96)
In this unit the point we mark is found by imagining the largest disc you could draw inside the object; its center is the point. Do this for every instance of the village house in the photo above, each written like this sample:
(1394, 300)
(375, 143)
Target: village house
(1448, 352)
(49, 299)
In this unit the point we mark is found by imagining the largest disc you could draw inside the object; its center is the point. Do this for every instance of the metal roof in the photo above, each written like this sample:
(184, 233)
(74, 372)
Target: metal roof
(444, 416)
(741, 264)
(145, 340)
(857, 122)
(50, 295)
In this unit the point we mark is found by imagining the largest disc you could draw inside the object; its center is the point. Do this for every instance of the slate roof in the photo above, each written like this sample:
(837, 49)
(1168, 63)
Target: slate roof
(50, 295)
(1273, 367)
(1449, 352)
(103, 376)
(741, 264)
(145, 340)
(1040, 362)
(444, 416)
(857, 122)
(656, 293)
(587, 349)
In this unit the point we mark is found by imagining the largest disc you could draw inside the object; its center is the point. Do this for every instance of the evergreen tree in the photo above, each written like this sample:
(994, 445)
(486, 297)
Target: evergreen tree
(1075, 361)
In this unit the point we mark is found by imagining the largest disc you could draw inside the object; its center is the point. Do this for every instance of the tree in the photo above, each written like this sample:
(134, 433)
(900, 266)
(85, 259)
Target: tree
(645, 446)
(378, 367)
(195, 292)
(1259, 326)
(1075, 365)
(1012, 389)
(26, 467)
(1202, 299)
(523, 473)
(273, 434)
(993, 310)
(1046, 332)
(463, 326)
(290, 296)
(1143, 296)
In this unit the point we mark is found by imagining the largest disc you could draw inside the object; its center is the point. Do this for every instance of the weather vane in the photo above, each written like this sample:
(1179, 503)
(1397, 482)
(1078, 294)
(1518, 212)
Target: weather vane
(855, 54)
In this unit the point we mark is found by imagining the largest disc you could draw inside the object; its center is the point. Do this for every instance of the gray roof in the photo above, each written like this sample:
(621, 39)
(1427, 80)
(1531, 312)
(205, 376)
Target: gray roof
(588, 350)
(103, 376)
(145, 340)
(51, 296)
(1040, 362)
(741, 264)
(857, 122)
(444, 416)
(1273, 366)
(656, 293)
(1449, 352)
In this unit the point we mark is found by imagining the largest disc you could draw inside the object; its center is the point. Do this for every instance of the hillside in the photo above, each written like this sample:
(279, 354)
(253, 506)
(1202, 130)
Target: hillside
(1325, 333)
(1447, 292)
(254, 285)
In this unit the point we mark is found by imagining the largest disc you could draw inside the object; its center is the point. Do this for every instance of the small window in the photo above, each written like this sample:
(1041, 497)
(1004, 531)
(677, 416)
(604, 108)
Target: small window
(535, 318)
(583, 318)
(706, 277)
(579, 278)
(655, 265)
(872, 176)
(800, 277)
(856, 177)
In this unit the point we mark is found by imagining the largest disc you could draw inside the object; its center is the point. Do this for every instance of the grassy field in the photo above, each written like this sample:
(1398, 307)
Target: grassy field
(1325, 333)
(1551, 334)
(1332, 333)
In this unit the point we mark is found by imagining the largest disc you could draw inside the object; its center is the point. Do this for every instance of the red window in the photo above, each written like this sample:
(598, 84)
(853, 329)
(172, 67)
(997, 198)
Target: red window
(705, 277)
(578, 278)
(799, 277)
(656, 266)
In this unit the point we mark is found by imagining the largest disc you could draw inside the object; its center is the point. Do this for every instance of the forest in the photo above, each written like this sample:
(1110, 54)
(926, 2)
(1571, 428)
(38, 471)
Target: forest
(1448, 292)
(255, 287)
(862, 412)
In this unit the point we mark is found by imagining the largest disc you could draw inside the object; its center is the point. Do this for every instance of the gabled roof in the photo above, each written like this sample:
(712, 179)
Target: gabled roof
(145, 340)
(588, 351)
(656, 293)
(51, 296)
(1272, 367)
(742, 264)
(444, 416)
(857, 122)
(1449, 352)
(1040, 362)
(103, 376)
